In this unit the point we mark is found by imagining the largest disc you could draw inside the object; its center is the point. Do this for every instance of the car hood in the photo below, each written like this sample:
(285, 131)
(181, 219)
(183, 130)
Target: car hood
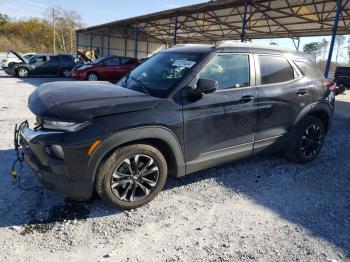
(18, 55)
(82, 101)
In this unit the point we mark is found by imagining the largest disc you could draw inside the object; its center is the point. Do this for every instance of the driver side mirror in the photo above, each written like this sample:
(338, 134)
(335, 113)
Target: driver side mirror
(104, 63)
(206, 86)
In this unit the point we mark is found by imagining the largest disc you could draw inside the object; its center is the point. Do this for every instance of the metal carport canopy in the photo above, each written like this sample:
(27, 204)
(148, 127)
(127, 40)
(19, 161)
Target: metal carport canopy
(224, 19)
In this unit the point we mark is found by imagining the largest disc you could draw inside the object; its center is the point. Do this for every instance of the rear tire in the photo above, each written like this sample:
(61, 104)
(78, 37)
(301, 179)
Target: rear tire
(132, 176)
(92, 77)
(341, 88)
(308, 140)
(22, 72)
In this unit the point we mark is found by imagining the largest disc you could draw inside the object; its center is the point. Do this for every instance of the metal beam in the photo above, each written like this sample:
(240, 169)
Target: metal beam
(334, 34)
(244, 22)
(175, 30)
(297, 43)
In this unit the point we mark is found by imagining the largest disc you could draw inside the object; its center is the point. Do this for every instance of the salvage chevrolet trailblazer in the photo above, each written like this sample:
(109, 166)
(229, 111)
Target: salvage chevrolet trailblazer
(185, 109)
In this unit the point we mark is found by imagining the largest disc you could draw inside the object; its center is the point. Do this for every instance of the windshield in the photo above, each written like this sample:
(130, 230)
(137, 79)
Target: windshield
(160, 73)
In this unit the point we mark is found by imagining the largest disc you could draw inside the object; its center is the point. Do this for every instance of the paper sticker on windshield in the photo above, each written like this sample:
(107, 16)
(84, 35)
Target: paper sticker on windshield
(183, 63)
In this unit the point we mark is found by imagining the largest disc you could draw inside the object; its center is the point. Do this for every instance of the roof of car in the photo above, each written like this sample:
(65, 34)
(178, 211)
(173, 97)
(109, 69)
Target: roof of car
(234, 46)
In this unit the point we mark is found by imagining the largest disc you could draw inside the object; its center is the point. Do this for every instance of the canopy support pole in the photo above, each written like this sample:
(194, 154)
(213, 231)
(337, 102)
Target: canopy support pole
(136, 36)
(91, 42)
(334, 34)
(109, 43)
(77, 38)
(244, 22)
(175, 30)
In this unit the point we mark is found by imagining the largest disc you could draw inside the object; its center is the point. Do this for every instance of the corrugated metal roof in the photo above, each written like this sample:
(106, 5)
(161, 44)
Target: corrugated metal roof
(222, 20)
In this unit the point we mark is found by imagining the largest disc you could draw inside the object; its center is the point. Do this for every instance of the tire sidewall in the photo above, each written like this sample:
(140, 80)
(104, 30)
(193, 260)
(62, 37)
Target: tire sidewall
(115, 159)
(22, 68)
(90, 75)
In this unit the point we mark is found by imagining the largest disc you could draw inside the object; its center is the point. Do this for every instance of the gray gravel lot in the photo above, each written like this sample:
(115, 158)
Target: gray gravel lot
(261, 209)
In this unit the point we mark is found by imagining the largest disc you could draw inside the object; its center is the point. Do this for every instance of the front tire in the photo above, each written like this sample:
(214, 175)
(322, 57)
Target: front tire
(92, 77)
(66, 72)
(308, 140)
(132, 176)
(22, 72)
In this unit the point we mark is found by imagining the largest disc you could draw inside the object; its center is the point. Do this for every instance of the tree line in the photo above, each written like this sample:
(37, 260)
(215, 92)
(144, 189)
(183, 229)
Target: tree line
(37, 34)
(319, 51)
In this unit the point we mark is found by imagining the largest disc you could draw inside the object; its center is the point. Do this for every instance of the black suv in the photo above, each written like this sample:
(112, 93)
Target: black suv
(43, 65)
(342, 77)
(185, 109)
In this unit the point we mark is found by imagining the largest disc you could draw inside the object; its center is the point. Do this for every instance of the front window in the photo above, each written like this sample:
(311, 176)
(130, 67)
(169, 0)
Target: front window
(230, 71)
(37, 59)
(113, 61)
(160, 73)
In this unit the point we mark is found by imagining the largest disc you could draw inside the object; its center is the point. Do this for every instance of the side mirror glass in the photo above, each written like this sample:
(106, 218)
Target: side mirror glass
(206, 86)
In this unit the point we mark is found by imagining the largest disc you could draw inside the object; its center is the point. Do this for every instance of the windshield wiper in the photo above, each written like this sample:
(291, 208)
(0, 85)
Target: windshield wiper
(140, 83)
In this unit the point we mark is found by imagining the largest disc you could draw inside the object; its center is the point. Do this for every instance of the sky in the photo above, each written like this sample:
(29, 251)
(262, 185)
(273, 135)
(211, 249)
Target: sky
(97, 12)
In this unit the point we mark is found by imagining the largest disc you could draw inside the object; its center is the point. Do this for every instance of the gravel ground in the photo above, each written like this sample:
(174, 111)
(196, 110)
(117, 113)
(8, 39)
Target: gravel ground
(261, 209)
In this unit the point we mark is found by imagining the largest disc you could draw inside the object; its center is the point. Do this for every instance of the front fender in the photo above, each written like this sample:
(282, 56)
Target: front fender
(130, 135)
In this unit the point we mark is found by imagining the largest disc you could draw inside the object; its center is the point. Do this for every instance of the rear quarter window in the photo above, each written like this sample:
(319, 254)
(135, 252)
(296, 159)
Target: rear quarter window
(309, 70)
(275, 69)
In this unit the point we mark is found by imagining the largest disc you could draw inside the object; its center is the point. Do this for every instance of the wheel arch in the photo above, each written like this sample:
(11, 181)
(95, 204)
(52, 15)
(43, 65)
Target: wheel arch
(321, 110)
(160, 137)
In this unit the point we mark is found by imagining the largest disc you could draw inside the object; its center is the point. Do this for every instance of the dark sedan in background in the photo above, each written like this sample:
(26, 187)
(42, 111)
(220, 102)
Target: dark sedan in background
(105, 68)
(42, 64)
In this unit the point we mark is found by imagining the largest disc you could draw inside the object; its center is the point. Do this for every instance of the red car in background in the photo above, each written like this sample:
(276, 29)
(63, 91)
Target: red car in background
(105, 68)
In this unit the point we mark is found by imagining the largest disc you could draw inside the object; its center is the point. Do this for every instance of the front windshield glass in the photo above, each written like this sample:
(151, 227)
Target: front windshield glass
(159, 74)
(32, 60)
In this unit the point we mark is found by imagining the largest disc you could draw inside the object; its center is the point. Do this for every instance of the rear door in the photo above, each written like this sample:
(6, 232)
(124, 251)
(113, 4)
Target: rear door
(51, 66)
(283, 93)
(220, 126)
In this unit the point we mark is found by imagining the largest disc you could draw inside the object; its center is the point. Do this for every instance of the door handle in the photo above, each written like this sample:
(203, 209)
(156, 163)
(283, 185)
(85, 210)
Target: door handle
(246, 99)
(302, 92)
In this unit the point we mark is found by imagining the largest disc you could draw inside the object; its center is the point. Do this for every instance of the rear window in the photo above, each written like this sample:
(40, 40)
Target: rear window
(308, 70)
(54, 59)
(66, 58)
(274, 69)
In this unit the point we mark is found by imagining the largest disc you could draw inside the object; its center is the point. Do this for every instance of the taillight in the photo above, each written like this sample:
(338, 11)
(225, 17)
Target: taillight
(329, 85)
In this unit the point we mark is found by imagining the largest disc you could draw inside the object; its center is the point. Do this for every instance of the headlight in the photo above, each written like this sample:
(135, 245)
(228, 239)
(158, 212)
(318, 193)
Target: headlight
(64, 126)
(83, 67)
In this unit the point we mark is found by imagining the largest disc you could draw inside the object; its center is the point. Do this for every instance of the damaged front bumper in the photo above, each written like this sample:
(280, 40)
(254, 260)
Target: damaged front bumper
(53, 168)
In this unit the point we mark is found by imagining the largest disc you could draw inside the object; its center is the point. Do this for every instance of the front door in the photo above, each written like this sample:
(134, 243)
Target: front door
(39, 64)
(220, 126)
